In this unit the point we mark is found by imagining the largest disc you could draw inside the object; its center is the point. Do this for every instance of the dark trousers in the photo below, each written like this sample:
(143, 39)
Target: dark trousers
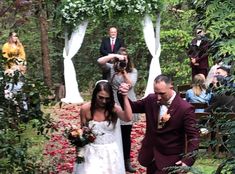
(126, 140)
(196, 71)
(105, 73)
(152, 169)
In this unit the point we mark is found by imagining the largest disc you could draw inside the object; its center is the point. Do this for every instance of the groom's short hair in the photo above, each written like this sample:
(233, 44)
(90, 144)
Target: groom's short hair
(164, 78)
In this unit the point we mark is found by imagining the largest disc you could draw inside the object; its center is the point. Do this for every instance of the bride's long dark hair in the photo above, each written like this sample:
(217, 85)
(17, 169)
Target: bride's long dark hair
(109, 113)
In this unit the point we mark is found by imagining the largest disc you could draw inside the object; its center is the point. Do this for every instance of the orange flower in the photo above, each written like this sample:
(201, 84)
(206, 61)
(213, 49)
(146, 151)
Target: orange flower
(76, 132)
(165, 117)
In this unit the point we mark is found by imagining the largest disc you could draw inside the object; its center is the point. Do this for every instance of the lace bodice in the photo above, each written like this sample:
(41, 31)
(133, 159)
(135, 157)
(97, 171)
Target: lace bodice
(103, 130)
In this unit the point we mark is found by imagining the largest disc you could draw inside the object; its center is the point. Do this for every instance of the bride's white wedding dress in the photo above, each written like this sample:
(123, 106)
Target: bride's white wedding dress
(104, 156)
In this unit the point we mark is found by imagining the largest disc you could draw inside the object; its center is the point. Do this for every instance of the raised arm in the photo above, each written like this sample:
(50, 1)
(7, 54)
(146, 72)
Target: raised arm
(136, 106)
(130, 78)
(126, 114)
(109, 57)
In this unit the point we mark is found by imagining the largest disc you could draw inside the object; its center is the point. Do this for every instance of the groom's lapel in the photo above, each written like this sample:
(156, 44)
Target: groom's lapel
(174, 106)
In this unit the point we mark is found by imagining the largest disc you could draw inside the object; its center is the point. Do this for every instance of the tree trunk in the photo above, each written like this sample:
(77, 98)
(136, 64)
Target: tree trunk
(44, 44)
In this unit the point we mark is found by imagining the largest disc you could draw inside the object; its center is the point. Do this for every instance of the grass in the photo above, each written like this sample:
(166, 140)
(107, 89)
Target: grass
(36, 140)
(207, 164)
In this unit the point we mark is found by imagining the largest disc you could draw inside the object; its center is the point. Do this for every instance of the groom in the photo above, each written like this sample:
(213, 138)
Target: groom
(169, 120)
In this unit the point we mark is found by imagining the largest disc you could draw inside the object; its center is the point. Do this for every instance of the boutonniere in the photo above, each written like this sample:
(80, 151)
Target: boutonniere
(165, 117)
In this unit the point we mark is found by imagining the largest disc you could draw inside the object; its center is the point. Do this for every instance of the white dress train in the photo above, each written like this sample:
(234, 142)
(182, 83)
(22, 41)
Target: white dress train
(104, 155)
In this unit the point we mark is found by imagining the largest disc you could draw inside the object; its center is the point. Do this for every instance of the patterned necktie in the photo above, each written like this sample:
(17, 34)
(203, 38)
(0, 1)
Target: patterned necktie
(112, 45)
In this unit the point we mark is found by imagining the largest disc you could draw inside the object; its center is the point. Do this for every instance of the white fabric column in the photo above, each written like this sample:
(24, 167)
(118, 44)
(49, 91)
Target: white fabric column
(152, 40)
(72, 46)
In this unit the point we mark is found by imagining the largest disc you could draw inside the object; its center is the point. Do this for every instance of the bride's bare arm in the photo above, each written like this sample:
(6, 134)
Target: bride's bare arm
(84, 112)
(126, 114)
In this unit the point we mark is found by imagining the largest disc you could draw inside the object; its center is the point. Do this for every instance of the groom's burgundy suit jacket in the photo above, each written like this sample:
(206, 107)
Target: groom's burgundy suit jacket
(166, 145)
(200, 53)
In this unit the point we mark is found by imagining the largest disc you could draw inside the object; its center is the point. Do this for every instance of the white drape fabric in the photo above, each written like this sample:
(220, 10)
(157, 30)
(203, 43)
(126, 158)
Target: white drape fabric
(72, 46)
(152, 40)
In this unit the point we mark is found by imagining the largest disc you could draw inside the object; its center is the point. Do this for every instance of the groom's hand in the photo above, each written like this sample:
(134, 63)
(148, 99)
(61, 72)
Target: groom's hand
(180, 163)
(124, 88)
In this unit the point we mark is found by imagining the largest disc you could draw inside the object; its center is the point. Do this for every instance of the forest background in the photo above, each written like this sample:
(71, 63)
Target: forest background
(41, 29)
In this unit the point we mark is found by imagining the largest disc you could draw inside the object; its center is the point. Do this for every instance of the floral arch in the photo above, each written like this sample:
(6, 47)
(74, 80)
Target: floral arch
(77, 13)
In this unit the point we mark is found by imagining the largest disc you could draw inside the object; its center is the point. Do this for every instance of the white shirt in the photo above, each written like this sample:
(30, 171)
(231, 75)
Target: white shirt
(112, 41)
(199, 42)
(164, 108)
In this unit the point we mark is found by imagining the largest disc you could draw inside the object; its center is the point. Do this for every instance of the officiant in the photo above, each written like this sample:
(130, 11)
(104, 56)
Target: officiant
(110, 44)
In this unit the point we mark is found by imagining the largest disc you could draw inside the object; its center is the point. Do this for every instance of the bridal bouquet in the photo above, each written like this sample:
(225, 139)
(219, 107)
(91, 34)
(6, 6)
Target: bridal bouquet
(79, 137)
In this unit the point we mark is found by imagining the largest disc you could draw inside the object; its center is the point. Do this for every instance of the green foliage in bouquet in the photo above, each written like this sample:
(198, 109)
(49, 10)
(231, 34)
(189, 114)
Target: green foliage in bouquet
(79, 137)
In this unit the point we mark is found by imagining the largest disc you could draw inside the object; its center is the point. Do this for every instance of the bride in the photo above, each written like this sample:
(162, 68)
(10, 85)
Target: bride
(104, 155)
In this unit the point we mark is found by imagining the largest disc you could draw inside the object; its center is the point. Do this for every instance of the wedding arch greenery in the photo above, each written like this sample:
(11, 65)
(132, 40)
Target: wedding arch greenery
(75, 11)
(77, 14)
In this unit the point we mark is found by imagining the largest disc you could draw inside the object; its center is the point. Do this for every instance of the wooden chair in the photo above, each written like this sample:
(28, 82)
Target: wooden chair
(215, 131)
(205, 138)
(204, 123)
(220, 131)
(213, 125)
(203, 117)
(200, 105)
(181, 89)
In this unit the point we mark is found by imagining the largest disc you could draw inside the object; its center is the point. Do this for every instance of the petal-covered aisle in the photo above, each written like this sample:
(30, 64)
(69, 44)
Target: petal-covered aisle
(61, 155)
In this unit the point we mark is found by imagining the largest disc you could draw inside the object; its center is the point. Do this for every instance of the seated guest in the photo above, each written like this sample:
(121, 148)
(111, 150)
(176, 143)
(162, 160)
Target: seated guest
(223, 76)
(222, 102)
(212, 73)
(198, 94)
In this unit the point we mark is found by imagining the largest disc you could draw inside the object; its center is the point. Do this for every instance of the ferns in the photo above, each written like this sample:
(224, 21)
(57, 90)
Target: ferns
(218, 17)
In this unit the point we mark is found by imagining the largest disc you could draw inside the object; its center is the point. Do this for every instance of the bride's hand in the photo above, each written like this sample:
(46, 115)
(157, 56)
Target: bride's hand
(124, 88)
